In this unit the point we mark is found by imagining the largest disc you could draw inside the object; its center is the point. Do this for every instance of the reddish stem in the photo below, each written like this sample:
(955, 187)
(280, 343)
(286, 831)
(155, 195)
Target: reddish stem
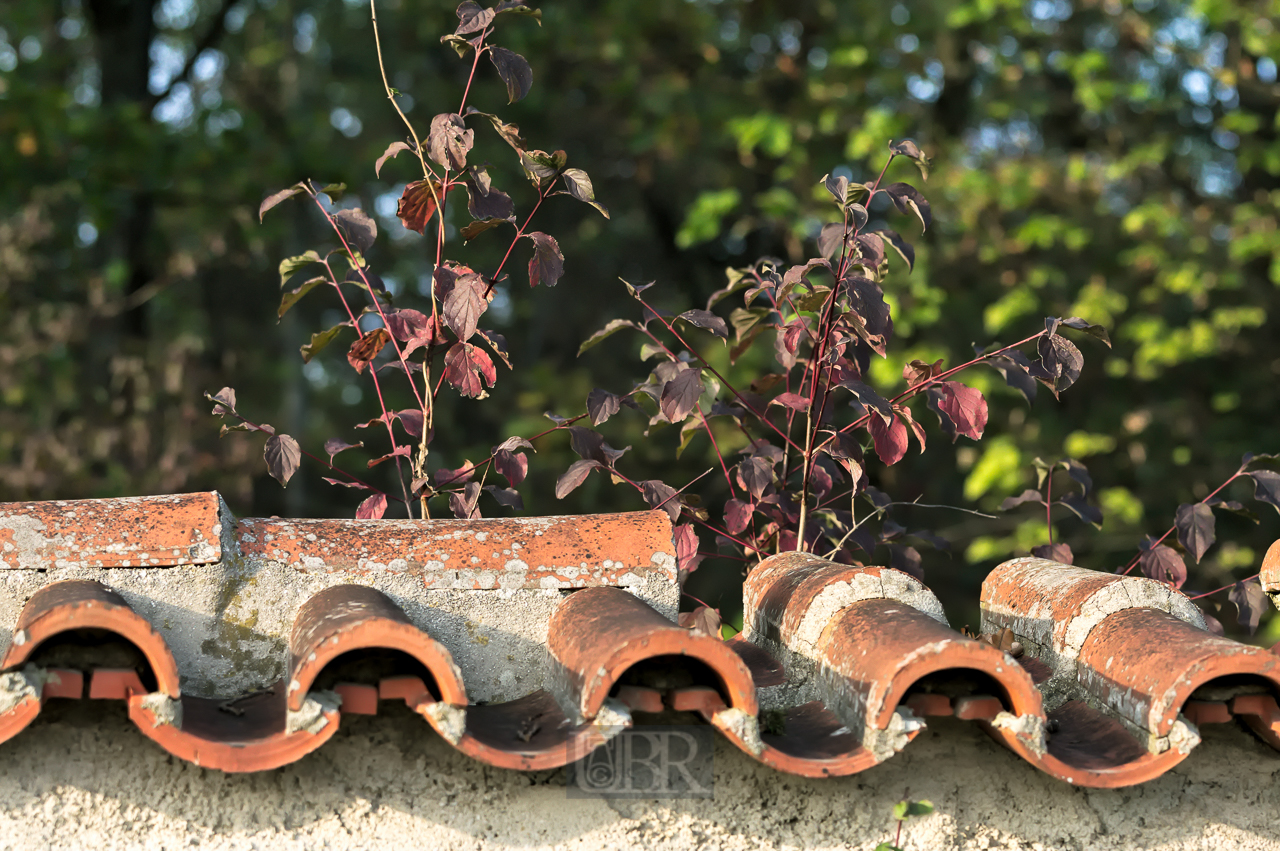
(1223, 588)
(1134, 561)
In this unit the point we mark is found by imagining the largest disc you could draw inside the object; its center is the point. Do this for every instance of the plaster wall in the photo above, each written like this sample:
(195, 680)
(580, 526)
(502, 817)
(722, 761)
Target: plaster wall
(83, 777)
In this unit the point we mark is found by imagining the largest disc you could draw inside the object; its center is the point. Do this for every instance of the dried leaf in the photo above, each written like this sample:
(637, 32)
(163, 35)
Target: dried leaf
(687, 558)
(1022, 499)
(706, 319)
(394, 453)
(364, 350)
(607, 331)
(1060, 363)
(703, 620)
(319, 340)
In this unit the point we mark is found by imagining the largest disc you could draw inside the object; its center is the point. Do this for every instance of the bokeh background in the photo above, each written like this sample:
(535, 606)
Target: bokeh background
(1113, 160)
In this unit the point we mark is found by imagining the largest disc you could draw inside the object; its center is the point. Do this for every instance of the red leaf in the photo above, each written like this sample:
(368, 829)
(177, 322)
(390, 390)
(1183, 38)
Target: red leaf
(794, 401)
(966, 408)
(737, 514)
(514, 466)
(418, 204)
(661, 496)
(1195, 525)
(372, 508)
(360, 486)
(445, 476)
(890, 440)
(399, 450)
(465, 366)
(703, 620)
(687, 558)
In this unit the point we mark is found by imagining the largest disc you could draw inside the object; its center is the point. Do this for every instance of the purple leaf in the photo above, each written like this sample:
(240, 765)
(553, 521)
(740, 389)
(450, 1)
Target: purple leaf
(601, 404)
(372, 508)
(906, 559)
(680, 394)
(1061, 553)
(335, 445)
(706, 319)
(1077, 505)
(900, 245)
(464, 306)
(687, 558)
(411, 420)
(357, 485)
(449, 141)
(464, 504)
(513, 466)
(444, 476)
(660, 496)
(359, 230)
(1163, 564)
(587, 443)
(1060, 363)
(574, 476)
(755, 474)
(794, 401)
(1267, 487)
(1195, 528)
(1022, 499)
(283, 455)
(1250, 600)
(609, 330)
(392, 149)
(271, 200)
(506, 497)
(514, 71)
(578, 184)
(908, 199)
(225, 399)
(547, 264)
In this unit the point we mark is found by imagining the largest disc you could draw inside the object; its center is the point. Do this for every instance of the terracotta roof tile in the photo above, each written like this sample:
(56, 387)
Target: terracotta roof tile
(838, 667)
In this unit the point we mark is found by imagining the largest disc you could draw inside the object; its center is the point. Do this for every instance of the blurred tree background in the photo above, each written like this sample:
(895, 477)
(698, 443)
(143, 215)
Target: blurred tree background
(1117, 161)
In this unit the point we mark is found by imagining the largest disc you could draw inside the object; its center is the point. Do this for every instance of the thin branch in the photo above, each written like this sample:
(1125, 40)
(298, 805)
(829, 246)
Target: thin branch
(217, 29)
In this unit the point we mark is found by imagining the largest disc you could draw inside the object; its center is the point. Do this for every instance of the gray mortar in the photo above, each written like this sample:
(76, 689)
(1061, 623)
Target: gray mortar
(228, 623)
(83, 777)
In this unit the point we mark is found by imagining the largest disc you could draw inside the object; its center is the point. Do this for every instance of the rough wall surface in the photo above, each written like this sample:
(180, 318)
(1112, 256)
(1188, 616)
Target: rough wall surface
(83, 777)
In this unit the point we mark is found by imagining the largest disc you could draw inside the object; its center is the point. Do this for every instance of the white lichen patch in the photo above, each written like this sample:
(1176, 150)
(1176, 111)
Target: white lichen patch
(1028, 729)
(882, 744)
(165, 709)
(742, 726)
(448, 720)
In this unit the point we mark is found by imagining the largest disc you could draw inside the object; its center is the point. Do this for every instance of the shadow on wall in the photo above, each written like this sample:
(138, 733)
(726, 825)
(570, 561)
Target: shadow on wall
(83, 776)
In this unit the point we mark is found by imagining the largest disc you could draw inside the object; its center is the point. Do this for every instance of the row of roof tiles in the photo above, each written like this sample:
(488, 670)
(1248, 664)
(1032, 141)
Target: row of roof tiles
(838, 668)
